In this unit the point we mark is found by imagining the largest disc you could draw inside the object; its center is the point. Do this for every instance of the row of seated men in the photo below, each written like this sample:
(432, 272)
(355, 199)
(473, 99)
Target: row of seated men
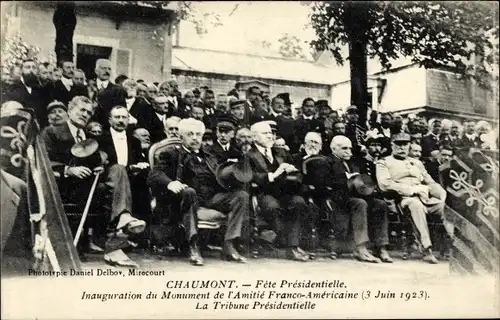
(187, 178)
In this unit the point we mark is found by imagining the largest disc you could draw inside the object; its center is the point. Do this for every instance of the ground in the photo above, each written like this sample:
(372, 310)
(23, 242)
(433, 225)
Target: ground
(421, 290)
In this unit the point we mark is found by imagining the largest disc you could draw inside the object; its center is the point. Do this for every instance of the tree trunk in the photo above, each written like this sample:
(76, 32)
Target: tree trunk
(359, 79)
(65, 22)
(356, 20)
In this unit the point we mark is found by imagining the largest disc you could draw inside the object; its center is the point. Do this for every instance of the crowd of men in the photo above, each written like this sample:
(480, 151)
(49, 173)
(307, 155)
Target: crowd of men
(364, 170)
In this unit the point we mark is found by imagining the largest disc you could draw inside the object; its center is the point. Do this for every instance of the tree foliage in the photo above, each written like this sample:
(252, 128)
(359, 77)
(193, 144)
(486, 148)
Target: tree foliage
(461, 35)
(289, 47)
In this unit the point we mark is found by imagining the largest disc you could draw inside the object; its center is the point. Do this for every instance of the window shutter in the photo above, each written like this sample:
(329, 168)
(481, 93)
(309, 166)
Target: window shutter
(124, 62)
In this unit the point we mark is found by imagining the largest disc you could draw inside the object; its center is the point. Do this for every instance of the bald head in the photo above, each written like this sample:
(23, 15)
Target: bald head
(103, 69)
(341, 147)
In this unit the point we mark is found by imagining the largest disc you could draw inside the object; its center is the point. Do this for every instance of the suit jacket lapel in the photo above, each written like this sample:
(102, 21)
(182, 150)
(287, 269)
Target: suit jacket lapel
(278, 157)
(259, 157)
(66, 133)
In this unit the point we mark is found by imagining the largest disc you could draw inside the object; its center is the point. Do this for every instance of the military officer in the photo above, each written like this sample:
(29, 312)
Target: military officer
(419, 193)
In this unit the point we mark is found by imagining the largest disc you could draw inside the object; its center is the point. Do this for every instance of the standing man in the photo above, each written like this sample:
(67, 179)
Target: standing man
(353, 130)
(65, 89)
(281, 205)
(431, 141)
(26, 91)
(114, 191)
(193, 186)
(306, 123)
(468, 139)
(108, 94)
(419, 193)
(284, 125)
(156, 126)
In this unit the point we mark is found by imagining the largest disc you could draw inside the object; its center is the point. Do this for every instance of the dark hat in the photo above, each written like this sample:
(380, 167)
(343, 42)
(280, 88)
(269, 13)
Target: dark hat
(56, 104)
(227, 123)
(286, 98)
(234, 93)
(361, 184)
(351, 109)
(208, 134)
(400, 137)
(322, 103)
(85, 153)
(236, 103)
(233, 175)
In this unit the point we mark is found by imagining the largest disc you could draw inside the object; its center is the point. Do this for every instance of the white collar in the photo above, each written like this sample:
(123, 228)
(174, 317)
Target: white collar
(160, 116)
(66, 81)
(118, 134)
(101, 83)
(263, 150)
(224, 146)
(307, 118)
(471, 136)
(274, 113)
(73, 129)
(27, 87)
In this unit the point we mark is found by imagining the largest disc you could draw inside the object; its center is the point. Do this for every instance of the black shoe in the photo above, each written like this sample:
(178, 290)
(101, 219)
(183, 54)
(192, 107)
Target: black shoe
(194, 255)
(229, 253)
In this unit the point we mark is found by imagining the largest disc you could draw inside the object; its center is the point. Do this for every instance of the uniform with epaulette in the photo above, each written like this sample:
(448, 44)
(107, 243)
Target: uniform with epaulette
(413, 186)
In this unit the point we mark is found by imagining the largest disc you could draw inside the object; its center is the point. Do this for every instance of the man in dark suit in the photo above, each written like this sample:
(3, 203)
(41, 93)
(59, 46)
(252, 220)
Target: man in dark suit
(156, 124)
(75, 177)
(306, 123)
(108, 94)
(140, 110)
(284, 125)
(353, 209)
(431, 141)
(185, 178)
(281, 205)
(353, 130)
(64, 90)
(26, 91)
(469, 138)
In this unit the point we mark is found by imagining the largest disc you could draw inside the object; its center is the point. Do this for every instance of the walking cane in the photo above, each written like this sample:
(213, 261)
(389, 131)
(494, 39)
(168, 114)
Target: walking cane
(86, 210)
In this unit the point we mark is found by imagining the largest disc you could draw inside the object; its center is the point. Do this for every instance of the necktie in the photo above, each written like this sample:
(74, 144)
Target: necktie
(79, 136)
(268, 155)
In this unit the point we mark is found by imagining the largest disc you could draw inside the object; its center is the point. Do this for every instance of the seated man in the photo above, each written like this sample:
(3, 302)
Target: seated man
(186, 181)
(75, 178)
(419, 193)
(356, 209)
(281, 205)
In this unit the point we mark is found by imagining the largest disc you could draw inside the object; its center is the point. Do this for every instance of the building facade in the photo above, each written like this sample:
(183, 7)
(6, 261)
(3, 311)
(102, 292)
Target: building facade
(104, 29)
(222, 71)
(426, 92)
